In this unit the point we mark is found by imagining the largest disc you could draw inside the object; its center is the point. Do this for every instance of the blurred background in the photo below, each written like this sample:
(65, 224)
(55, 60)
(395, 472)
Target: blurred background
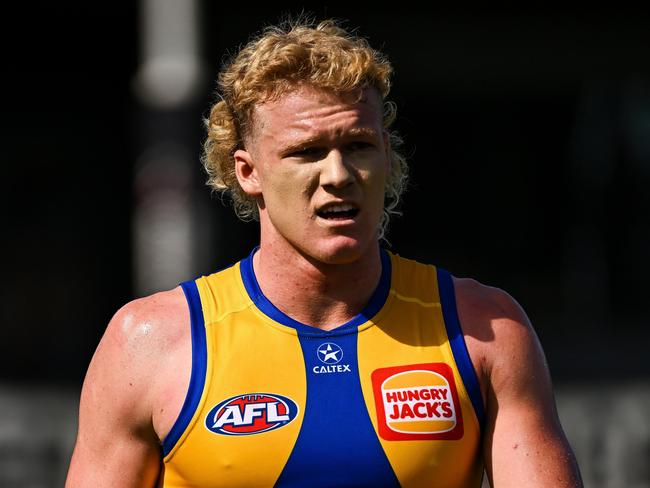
(529, 142)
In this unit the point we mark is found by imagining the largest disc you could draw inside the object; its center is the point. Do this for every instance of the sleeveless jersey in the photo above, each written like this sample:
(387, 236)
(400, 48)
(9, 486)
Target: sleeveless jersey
(388, 399)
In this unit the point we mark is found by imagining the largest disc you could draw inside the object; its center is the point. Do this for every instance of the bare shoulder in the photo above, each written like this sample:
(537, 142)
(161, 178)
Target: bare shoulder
(524, 444)
(120, 414)
(497, 329)
(141, 340)
(150, 324)
(481, 303)
(146, 327)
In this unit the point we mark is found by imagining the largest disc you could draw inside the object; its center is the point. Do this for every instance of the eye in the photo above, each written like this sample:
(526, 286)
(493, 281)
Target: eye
(308, 153)
(358, 146)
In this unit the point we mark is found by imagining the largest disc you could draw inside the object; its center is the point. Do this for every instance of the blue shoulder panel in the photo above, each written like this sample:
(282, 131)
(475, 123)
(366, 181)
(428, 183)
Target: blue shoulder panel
(199, 363)
(457, 342)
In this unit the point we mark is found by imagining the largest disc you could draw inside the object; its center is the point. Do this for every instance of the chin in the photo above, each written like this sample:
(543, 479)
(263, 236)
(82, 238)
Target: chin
(342, 250)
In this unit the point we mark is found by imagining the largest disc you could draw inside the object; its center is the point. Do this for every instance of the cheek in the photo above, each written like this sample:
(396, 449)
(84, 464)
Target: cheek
(290, 186)
(376, 189)
(375, 179)
(374, 165)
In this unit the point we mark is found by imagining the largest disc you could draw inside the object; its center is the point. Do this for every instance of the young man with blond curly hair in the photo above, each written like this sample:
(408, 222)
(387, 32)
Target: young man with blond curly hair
(321, 359)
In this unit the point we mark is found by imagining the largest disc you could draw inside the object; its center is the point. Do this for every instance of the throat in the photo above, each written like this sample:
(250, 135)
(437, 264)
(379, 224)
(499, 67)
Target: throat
(323, 297)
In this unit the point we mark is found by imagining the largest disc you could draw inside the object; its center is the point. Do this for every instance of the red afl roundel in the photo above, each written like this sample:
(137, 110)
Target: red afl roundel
(251, 413)
(417, 402)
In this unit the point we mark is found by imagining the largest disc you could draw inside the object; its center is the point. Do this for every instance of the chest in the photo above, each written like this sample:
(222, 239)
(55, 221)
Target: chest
(380, 406)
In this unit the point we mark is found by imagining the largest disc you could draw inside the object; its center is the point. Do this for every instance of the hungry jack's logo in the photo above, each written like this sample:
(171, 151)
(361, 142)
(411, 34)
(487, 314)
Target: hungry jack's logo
(417, 402)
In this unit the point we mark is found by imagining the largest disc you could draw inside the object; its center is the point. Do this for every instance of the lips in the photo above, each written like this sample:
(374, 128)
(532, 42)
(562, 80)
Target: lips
(337, 211)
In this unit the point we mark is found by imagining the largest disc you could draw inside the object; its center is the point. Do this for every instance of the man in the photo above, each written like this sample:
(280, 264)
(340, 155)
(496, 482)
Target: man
(320, 359)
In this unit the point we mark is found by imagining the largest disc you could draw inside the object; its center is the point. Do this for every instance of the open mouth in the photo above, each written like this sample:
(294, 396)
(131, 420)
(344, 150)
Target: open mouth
(338, 212)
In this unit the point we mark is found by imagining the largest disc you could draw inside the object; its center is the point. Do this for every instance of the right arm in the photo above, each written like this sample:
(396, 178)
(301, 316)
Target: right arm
(117, 444)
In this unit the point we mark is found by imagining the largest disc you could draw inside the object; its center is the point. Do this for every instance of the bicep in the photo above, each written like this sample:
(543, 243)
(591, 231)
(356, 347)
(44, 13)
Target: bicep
(524, 441)
(119, 460)
(116, 445)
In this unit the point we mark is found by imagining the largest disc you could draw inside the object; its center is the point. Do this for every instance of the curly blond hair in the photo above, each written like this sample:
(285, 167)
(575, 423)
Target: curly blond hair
(296, 52)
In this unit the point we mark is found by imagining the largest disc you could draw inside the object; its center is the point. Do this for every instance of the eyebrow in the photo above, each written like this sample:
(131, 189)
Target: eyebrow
(354, 132)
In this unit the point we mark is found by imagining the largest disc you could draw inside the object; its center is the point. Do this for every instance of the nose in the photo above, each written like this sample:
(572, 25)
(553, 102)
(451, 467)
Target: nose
(334, 170)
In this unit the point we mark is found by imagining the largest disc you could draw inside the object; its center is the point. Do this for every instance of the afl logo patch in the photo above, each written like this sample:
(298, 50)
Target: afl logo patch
(252, 413)
(417, 402)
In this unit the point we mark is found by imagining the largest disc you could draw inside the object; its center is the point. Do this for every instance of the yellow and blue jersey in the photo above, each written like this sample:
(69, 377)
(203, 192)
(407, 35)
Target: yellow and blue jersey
(388, 399)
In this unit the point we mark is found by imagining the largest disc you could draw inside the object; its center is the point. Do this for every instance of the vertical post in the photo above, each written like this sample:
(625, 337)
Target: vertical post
(169, 225)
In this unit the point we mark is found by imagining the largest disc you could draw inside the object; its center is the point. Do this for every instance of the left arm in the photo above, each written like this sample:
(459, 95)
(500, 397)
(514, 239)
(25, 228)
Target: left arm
(524, 444)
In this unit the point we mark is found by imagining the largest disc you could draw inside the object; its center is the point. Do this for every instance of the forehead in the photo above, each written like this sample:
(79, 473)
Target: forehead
(313, 112)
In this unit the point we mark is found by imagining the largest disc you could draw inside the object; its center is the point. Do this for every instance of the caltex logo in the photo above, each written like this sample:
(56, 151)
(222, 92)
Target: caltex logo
(330, 353)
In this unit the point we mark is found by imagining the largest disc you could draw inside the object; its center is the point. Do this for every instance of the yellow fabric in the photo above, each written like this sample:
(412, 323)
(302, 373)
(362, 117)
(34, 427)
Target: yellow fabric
(399, 338)
(248, 352)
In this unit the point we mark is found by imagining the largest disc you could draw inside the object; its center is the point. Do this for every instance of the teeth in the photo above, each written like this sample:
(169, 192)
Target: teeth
(339, 208)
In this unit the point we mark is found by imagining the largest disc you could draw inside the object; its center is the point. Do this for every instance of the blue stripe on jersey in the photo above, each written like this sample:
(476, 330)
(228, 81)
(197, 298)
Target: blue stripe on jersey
(457, 342)
(199, 363)
(374, 305)
(337, 444)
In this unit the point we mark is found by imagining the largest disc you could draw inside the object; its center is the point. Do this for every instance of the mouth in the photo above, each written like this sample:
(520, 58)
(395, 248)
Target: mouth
(338, 211)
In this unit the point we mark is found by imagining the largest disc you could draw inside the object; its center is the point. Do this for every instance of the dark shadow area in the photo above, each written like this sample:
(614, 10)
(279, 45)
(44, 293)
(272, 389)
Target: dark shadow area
(528, 135)
(528, 141)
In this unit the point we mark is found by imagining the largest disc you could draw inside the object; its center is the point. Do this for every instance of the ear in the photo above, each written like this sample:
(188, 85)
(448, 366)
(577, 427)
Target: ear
(247, 173)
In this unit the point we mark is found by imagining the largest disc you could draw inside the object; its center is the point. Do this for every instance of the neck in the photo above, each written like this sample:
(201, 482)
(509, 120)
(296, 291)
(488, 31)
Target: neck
(315, 293)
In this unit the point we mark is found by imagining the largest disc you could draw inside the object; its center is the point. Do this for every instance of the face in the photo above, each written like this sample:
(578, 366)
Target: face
(317, 163)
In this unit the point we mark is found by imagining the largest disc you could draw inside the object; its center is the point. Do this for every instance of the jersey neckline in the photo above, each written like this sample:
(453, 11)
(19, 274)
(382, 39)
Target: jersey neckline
(374, 305)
